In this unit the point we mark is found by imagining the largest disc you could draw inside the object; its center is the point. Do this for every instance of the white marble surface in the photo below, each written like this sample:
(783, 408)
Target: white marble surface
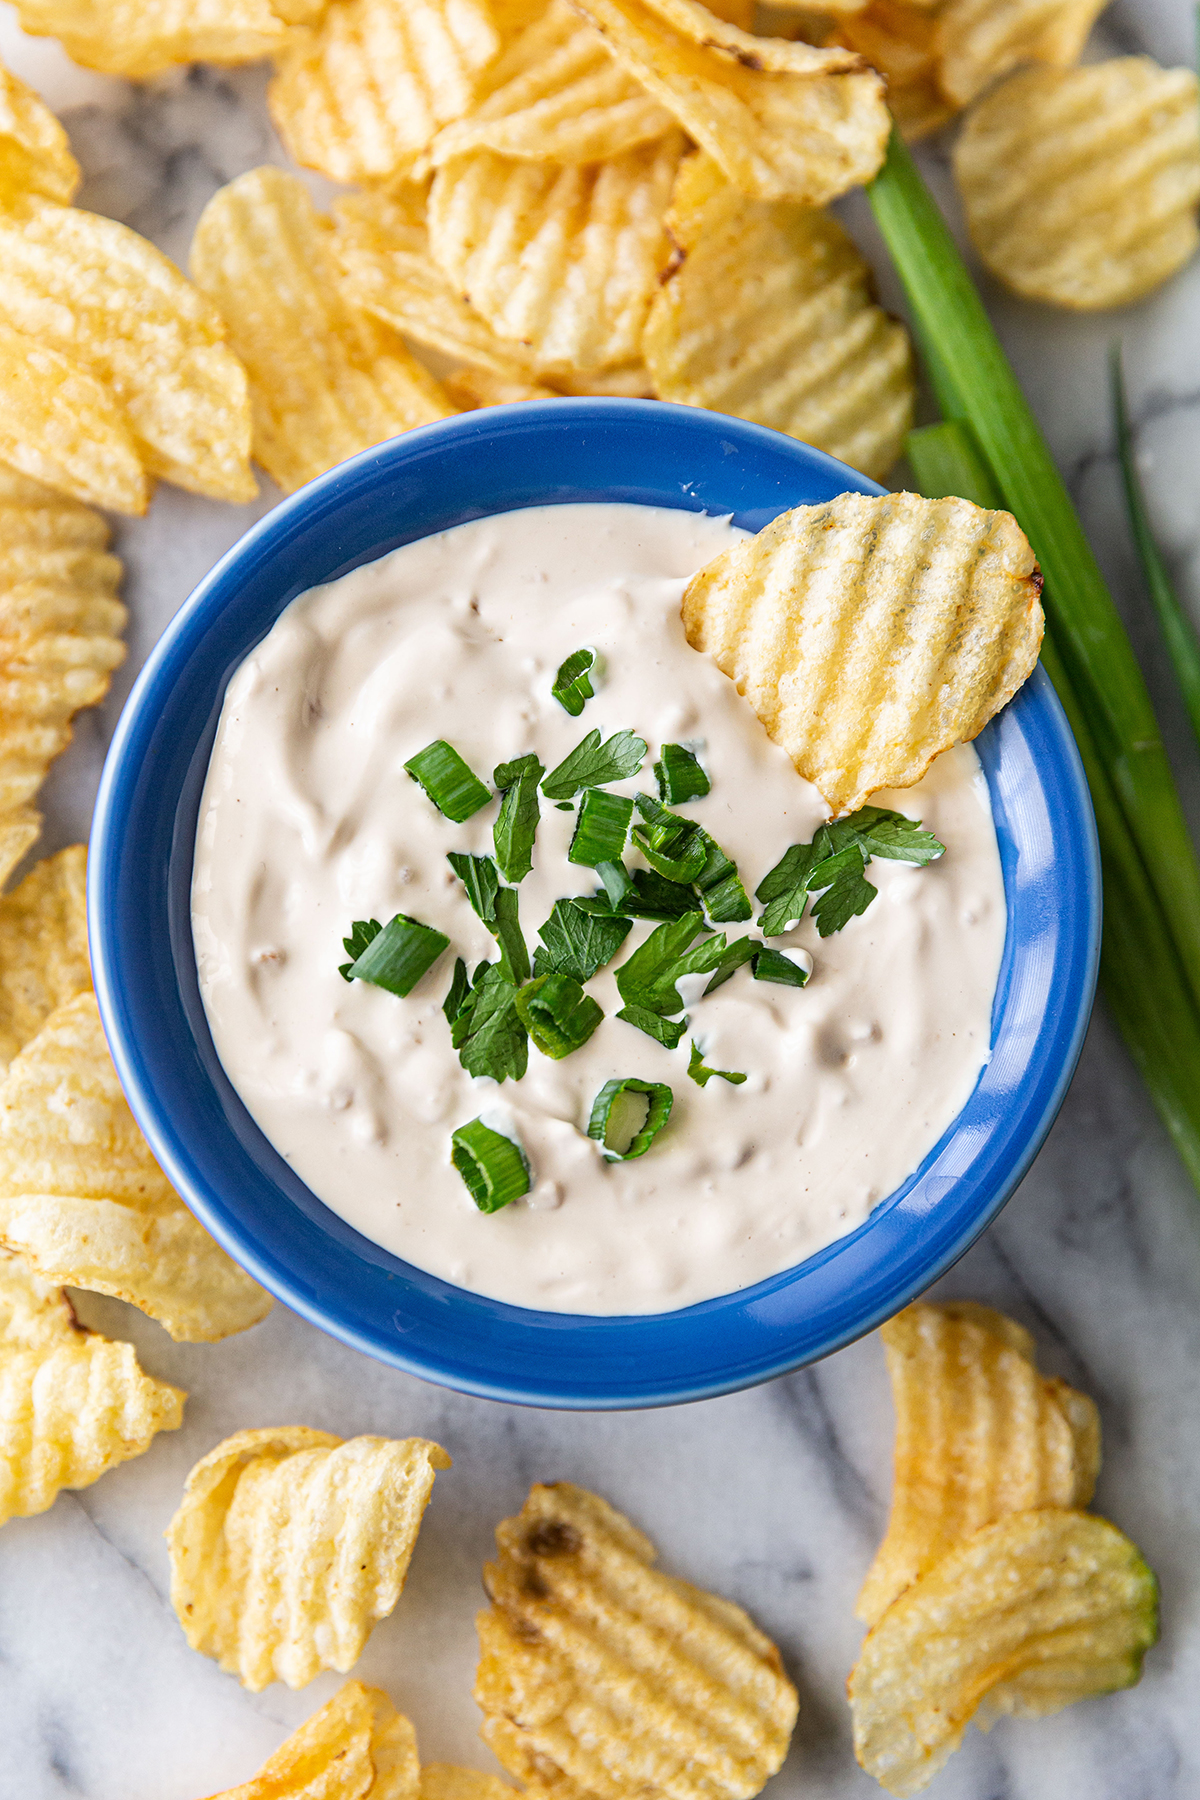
(775, 1497)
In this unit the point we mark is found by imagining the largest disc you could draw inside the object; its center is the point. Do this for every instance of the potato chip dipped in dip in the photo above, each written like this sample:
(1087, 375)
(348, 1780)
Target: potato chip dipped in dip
(526, 942)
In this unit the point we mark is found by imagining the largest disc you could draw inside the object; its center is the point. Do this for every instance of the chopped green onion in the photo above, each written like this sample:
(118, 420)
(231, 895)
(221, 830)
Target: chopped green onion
(577, 942)
(617, 884)
(362, 932)
(487, 1031)
(451, 784)
(478, 875)
(572, 685)
(495, 1169)
(516, 826)
(593, 764)
(611, 1123)
(663, 1031)
(680, 776)
(514, 957)
(398, 956)
(776, 965)
(601, 828)
(557, 1014)
(1177, 629)
(460, 988)
(725, 899)
(671, 845)
(732, 957)
(700, 1072)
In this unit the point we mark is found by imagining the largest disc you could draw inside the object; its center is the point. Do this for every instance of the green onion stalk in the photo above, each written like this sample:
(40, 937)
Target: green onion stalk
(991, 449)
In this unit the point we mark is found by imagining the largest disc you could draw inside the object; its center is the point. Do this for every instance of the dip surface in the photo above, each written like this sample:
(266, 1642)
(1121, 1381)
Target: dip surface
(309, 821)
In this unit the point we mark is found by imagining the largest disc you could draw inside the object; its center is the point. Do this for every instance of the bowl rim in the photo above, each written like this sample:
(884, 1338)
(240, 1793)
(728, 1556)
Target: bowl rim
(164, 671)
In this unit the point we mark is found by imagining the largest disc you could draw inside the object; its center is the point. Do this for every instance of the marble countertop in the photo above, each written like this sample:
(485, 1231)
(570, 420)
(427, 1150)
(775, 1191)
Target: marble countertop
(775, 1497)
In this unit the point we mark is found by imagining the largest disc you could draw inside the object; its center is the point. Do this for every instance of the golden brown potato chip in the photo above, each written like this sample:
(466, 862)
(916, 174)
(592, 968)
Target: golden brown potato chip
(977, 40)
(367, 88)
(565, 260)
(1050, 1606)
(289, 1544)
(979, 1433)
(443, 1781)
(599, 1676)
(473, 388)
(72, 1404)
(99, 294)
(326, 380)
(19, 828)
(796, 341)
(869, 635)
(43, 947)
(629, 381)
(785, 121)
(59, 624)
(556, 95)
(34, 150)
(1080, 186)
(59, 424)
(357, 1747)
(383, 247)
(139, 38)
(897, 38)
(84, 1202)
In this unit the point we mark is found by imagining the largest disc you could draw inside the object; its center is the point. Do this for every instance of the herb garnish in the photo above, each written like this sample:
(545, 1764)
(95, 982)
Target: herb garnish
(646, 981)
(479, 876)
(774, 965)
(593, 764)
(573, 685)
(700, 1072)
(577, 942)
(495, 1169)
(680, 776)
(832, 865)
(610, 1124)
(394, 956)
(664, 1031)
(451, 784)
(497, 907)
(460, 987)
(487, 1031)
(516, 827)
(683, 851)
(732, 957)
(557, 1014)
(601, 828)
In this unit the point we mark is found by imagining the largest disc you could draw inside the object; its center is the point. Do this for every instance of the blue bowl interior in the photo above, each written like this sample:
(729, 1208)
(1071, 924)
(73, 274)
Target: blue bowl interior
(248, 1197)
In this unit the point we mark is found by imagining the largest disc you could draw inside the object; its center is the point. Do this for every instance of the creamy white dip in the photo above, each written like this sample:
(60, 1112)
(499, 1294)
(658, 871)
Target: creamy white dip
(309, 821)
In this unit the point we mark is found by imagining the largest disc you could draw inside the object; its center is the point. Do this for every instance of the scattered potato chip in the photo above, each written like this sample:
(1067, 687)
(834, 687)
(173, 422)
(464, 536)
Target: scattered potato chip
(556, 95)
(443, 1781)
(1080, 186)
(566, 260)
(326, 380)
(979, 1433)
(43, 947)
(473, 388)
(628, 381)
(84, 1202)
(785, 121)
(869, 635)
(290, 1543)
(59, 625)
(72, 1404)
(897, 38)
(365, 90)
(19, 828)
(978, 40)
(60, 425)
(139, 38)
(99, 294)
(383, 247)
(357, 1747)
(795, 340)
(35, 152)
(601, 1677)
(1050, 1605)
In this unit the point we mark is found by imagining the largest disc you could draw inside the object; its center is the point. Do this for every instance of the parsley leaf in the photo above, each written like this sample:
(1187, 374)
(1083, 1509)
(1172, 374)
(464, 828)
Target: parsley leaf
(478, 875)
(700, 1072)
(890, 834)
(362, 932)
(460, 987)
(647, 980)
(785, 887)
(497, 907)
(846, 890)
(593, 764)
(516, 826)
(514, 957)
(664, 1031)
(577, 943)
(732, 958)
(487, 1031)
(804, 868)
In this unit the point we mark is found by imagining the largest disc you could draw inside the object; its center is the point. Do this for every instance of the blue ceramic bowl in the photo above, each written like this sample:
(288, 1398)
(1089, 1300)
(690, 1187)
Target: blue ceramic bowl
(247, 1196)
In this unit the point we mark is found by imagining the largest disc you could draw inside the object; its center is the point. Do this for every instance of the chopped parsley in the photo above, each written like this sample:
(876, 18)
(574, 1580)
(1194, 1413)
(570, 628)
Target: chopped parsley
(595, 764)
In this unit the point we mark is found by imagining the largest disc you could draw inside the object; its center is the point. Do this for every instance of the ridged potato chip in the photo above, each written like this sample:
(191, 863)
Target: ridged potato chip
(769, 316)
(1051, 1606)
(785, 121)
(59, 625)
(1080, 186)
(897, 39)
(565, 260)
(365, 90)
(979, 1434)
(869, 635)
(35, 153)
(72, 1404)
(84, 1202)
(99, 294)
(140, 38)
(43, 947)
(601, 1677)
(444, 1781)
(60, 425)
(628, 381)
(357, 1747)
(472, 388)
(978, 40)
(326, 381)
(19, 828)
(289, 1544)
(382, 245)
(556, 95)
